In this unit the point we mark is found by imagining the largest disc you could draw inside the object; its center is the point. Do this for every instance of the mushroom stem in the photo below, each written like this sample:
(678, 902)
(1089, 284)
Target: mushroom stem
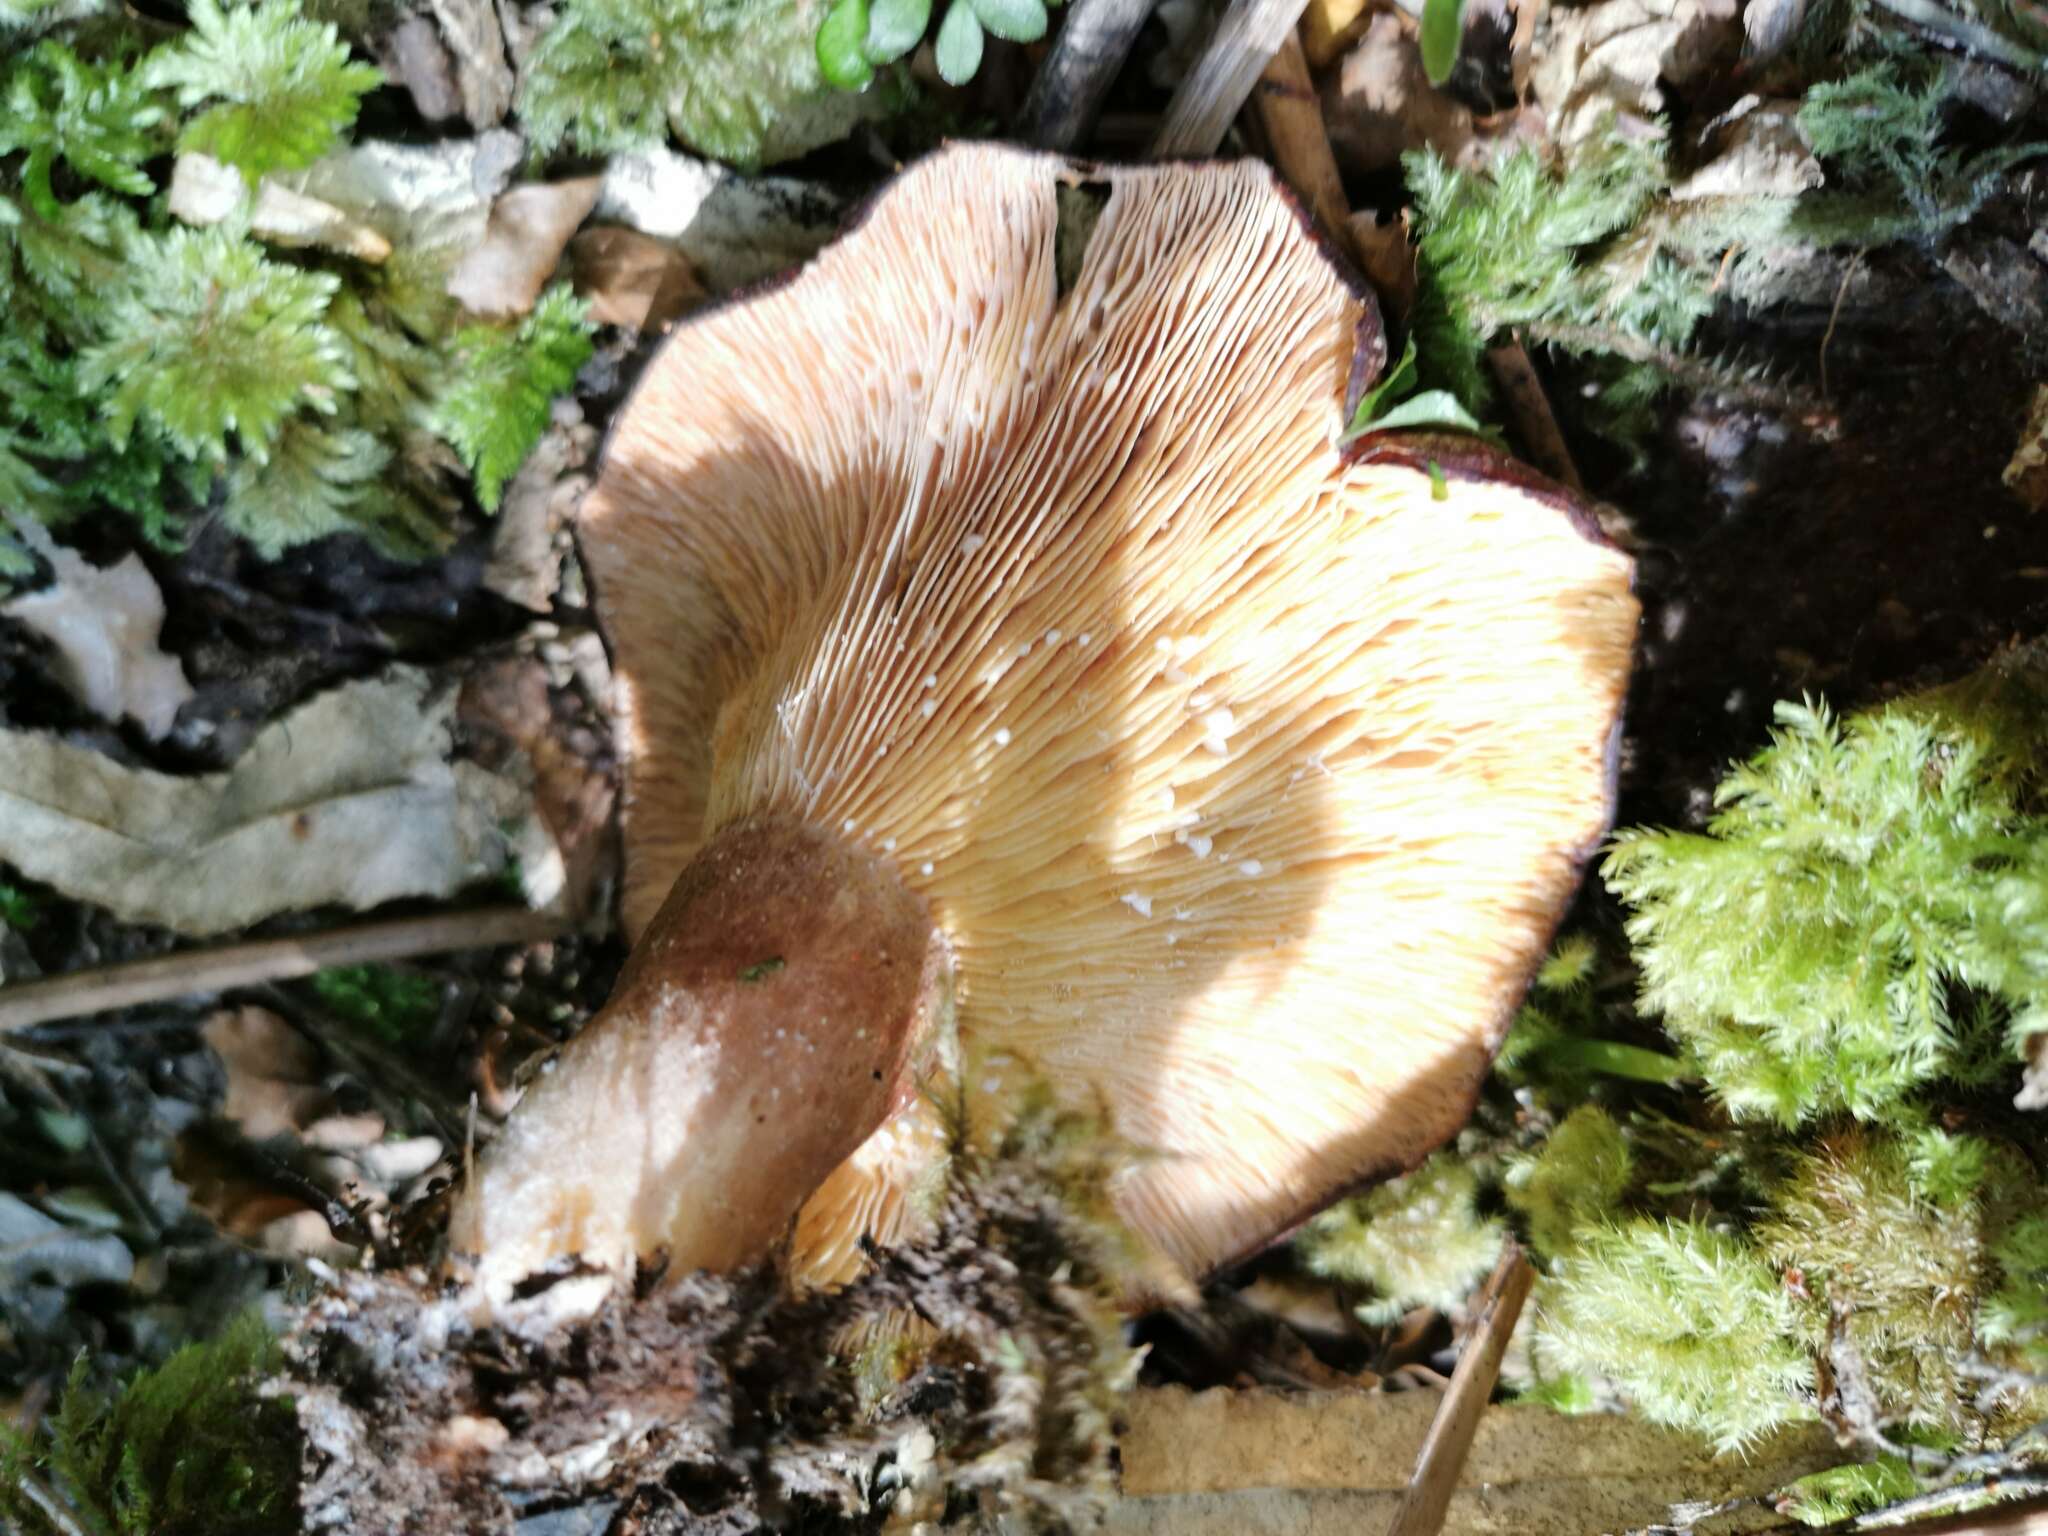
(765, 1025)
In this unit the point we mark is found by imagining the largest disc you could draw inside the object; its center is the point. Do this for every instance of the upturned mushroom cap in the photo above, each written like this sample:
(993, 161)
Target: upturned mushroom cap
(1248, 778)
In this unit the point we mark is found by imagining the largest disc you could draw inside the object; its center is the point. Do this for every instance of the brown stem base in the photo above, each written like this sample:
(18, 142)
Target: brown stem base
(765, 1025)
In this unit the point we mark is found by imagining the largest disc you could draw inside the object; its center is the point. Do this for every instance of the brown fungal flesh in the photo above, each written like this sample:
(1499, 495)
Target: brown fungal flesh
(1243, 779)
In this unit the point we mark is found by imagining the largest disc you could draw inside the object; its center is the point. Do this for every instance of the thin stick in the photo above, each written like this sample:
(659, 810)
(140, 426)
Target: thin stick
(1066, 93)
(1292, 115)
(1199, 115)
(1494, 1313)
(240, 965)
(1530, 407)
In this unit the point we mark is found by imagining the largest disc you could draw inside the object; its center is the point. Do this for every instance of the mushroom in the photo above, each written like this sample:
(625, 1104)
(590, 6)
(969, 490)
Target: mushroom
(1007, 647)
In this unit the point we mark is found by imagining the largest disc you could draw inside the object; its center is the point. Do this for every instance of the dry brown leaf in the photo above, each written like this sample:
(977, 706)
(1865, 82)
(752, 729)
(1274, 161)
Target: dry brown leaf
(513, 702)
(1761, 153)
(104, 622)
(1598, 67)
(273, 1072)
(352, 799)
(2033, 1092)
(529, 228)
(1378, 104)
(531, 538)
(1387, 253)
(631, 279)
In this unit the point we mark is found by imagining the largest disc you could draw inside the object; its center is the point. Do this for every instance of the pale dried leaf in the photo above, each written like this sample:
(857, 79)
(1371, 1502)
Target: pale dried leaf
(33, 1246)
(204, 191)
(1761, 153)
(476, 45)
(273, 1072)
(1601, 64)
(732, 229)
(350, 800)
(530, 539)
(104, 622)
(529, 228)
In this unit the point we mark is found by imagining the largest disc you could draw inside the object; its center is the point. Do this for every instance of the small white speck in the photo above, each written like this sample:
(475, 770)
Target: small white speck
(931, 679)
(1052, 637)
(1083, 638)
(888, 845)
(1163, 646)
(925, 868)
(1198, 700)
(1187, 645)
(1024, 650)
(1142, 905)
(1217, 724)
(1174, 674)
(971, 543)
(1251, 867)
(1199, 846)
(991, 1084)
(1003, 736)
(1173, 936)
(1166, 798)
(846, 825)
(928, 708)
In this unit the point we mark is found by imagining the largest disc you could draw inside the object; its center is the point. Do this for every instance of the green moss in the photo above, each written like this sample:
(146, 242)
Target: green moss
(1859, 875)
(1830, 1497)
(398, 1007)
(504, 384)
(1691, 1326)
(1416, 1241)
(1574, 1181)
(187, 1449)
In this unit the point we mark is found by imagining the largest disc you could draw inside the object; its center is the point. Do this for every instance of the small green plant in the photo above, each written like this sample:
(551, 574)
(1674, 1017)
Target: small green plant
(187, 1449)
(505, 381)
(1395, 402)
(398, 1007)
(278, 91)
(859, 36)
(1840, 1493)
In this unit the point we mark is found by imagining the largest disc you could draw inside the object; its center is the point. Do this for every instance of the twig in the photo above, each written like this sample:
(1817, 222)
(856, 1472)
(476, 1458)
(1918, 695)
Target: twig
(1530, 408)
(1066, 93)
(1292, 115)
(53, 1508)
(2026, 1512)
(1494, 1314)
(1964, 33)
(1199, 114)
(1835, 314)
(194, 973)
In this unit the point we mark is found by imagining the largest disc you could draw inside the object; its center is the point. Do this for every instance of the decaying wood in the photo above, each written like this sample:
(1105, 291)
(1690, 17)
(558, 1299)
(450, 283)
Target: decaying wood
(1529, 408)
(1248, 1462)
(1292, 116)
(1215, 89)
(1494, 1313)
(1066, 93)
(193, 973)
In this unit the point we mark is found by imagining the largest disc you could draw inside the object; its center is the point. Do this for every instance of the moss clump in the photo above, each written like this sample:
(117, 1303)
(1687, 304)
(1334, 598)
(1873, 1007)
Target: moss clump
(1578, 1175)
(1418, 1241)
(187, 1449)
(1860, 879)
(1687, 1321)
(396, 1006)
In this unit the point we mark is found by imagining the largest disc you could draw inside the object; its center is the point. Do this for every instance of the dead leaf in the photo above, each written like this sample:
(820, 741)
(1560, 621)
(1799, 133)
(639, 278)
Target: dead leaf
(531, 537)
(732, 229)
(1598, 67)
(2033, 1092)
(2027, 476)
(204, 191)
(1762, 153)
(34, 1246)
(1768, 27)
(273, 1072)
(104, 622)
(424, 198)
(572, 792)
(352, 800)
(1379, 103)
(413, 54)
(1387, 253)
(476, 44)
(523, 243)
(631, 279)
(1328, 27)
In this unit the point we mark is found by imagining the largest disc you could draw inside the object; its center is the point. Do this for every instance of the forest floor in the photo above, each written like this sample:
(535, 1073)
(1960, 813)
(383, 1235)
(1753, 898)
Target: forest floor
(1849, 531)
